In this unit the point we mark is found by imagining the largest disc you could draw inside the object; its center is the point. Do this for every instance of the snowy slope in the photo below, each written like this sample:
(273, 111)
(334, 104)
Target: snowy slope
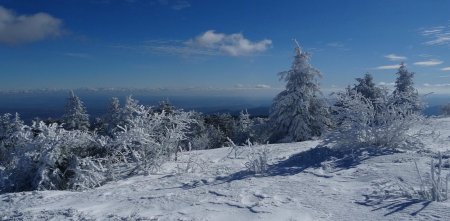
(297, 186)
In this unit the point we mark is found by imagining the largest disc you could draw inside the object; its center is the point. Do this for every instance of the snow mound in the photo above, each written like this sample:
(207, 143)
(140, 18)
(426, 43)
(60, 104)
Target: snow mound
(304, 181)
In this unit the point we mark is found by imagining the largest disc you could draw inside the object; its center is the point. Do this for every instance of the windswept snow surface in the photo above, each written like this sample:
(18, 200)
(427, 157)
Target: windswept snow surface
(299, 185)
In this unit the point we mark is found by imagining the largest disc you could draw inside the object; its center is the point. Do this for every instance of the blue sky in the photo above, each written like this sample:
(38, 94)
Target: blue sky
(225, 44)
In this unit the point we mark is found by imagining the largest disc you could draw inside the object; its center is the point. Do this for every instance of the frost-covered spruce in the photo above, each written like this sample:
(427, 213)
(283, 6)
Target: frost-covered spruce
(113, 116)
(405, 93)
(75, 117)
(9, 124)
(299, 112)
(244, 121)
(243, 128)
(131, 109)
(367, 88)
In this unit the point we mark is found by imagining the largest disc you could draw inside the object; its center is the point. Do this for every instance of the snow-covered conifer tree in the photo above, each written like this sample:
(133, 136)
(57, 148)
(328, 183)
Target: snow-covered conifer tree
(244, 121)
(367, 87)
(243, 128)
(299, 112)
(75, 117)
(113, 116)
(165, 106)
(8, 128)
(9, 125)
(129, 111)
(405, 94)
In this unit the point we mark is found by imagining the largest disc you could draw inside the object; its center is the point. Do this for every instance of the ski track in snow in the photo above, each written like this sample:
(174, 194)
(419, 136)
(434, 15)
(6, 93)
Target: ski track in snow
(222, 190)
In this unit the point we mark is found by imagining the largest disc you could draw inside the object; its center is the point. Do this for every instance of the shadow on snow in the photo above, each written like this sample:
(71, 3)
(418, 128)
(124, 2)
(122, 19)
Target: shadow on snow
(317, 157)
(396, 205)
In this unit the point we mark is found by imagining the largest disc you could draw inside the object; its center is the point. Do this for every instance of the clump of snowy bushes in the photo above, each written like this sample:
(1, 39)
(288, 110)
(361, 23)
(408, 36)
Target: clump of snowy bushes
(130, 139)
(50, 157)
(46, 157)
(368, 116)
(381, 123)
(150, 138)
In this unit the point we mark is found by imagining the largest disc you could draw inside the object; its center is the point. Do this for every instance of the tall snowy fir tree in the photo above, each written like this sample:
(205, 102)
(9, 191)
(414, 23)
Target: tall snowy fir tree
(367, 88)
(75, 117)
(113, 116)
(299, 112)
(405, 93)
(129, 111)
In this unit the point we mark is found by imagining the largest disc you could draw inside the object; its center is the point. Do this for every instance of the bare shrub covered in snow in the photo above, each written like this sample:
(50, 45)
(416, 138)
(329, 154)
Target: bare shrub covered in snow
(436, 189)
(235, 150)
(433, 186)
(381, 123)
(191, 162)
(258, 159)
(47, 157)
(150, 138)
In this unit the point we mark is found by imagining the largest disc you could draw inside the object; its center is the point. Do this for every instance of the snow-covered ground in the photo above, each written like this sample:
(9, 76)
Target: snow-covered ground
(301, 184)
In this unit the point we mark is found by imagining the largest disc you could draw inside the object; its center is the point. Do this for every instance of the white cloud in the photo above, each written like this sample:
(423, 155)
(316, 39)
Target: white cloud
(388, 67)
(433, 30)
(435, 88)
(208, 43)
(252, 87)
(445, 69)
(209, 39)
(263, 86)
(440, 40)
(19, 29)
(436, 85)
(232, 44)
(432, 62)
(387, 84)
(394, 57)
(437, 35)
